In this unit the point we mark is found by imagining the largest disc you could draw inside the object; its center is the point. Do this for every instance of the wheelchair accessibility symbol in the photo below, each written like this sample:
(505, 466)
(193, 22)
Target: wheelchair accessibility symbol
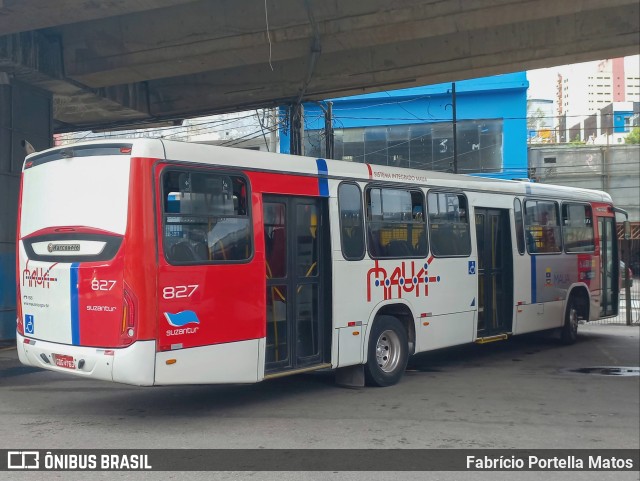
(28, 324)
(472, 267)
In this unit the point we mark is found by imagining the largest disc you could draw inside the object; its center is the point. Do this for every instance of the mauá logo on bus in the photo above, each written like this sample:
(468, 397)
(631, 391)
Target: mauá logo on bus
(400, 278)
(37, 277)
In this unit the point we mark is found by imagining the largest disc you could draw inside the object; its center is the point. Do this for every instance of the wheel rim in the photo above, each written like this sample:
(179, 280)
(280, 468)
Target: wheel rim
(388, 351)
(573, 320)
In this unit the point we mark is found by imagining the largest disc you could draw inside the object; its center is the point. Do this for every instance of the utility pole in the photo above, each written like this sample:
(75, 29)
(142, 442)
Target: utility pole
(273, 136)
(296, 126)
(626, 230)
(455, 128)
(328, 131)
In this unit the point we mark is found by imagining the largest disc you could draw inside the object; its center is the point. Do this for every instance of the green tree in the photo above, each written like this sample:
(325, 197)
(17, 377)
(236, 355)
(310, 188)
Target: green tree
(576, 140)
(633, 137)
(535, 118)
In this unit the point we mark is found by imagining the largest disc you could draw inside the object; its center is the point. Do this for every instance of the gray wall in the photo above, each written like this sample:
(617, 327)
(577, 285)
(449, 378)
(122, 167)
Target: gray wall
(614, 169)
(25, 113)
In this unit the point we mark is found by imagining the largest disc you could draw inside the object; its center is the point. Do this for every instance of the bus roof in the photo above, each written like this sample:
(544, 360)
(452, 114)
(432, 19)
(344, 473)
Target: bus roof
(255, 160)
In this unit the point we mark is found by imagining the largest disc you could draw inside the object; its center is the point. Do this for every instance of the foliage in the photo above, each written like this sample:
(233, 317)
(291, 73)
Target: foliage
(633, 137)
(536, 119)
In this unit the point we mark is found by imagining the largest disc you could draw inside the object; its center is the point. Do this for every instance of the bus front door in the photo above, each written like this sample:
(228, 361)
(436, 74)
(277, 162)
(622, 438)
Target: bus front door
(293, 252)
(609, 267)
(495, 271)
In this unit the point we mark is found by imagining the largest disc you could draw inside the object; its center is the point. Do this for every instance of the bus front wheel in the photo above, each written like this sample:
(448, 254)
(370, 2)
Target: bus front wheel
(569, 333)
(388, 352)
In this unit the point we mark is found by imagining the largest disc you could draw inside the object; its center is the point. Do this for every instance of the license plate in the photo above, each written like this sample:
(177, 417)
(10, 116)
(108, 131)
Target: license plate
(62, 360)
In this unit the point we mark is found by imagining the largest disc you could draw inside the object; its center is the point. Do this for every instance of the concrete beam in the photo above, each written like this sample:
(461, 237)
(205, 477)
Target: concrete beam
(92, 108)
(23, 15)
(178, 58)
(456, 56)
(35, 59)
(153, 45)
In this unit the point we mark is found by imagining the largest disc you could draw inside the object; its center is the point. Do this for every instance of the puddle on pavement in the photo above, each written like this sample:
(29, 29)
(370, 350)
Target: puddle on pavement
(621, 371)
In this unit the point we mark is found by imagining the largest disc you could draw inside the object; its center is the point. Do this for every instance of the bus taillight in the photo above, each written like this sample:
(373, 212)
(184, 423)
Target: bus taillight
(20, 321)
(129, 313)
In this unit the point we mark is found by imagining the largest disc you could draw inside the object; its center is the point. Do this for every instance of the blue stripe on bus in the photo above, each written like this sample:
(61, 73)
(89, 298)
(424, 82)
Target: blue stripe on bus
(534, 292)
(323, 182)
(75, 318)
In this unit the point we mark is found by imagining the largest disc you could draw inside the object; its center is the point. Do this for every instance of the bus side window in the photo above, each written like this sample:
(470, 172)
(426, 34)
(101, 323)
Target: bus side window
(205, 217)
(351, 221)
(396, 227)
(448, 224)
(517, 214)
(577, 228)
(531, 243)
(542, 227)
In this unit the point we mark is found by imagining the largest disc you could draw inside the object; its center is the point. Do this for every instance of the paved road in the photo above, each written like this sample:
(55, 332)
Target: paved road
(516, 394)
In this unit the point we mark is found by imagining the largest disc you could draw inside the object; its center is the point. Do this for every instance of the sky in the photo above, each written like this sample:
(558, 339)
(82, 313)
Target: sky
(542, 82)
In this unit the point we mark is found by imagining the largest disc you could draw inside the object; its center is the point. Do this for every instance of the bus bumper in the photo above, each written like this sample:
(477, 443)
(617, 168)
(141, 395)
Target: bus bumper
(134, 364)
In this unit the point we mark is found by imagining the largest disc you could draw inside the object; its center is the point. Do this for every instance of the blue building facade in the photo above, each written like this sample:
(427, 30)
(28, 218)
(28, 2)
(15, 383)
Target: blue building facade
(413, 127)
(622, 121)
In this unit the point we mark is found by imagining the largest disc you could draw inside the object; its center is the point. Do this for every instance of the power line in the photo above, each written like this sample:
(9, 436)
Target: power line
(250, 136)
(181, 130)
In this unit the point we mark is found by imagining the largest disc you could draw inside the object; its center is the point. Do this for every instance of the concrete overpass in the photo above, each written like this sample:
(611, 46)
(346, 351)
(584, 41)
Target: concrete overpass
(120, 61)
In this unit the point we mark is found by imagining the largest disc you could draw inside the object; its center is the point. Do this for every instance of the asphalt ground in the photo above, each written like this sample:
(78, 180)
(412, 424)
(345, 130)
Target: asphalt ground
(529, 392)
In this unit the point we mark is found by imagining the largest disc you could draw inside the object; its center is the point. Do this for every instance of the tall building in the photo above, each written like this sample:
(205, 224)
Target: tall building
(584, 89)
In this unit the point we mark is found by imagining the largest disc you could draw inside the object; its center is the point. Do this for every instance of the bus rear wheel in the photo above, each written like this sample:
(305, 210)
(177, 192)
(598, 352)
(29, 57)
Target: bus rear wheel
(388, 352)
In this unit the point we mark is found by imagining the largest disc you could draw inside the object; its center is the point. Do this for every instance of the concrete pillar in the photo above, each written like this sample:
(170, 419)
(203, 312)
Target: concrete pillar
(25, 114)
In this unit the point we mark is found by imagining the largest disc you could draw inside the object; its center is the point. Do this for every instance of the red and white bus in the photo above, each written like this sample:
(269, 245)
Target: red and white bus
(151, 262)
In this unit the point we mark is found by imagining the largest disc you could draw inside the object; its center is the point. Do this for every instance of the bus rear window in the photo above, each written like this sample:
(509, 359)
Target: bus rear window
(206, 217)
(84, 191)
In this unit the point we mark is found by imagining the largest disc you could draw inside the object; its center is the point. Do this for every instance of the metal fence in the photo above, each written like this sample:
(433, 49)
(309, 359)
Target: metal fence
(621, 318)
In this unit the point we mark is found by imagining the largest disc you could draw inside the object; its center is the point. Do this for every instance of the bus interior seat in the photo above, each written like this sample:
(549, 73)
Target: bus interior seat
(438, 238)
(375, 246)
(352, 241)
(182, 252)
(198, 242)
(187, 251)
(399, 248)
(276, 252)
(201, 251)
(422, 247)
(219, 252)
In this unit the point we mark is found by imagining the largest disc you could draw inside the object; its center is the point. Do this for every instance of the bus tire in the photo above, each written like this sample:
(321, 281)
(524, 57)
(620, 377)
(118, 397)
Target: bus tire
(388, 352)
(569, 332)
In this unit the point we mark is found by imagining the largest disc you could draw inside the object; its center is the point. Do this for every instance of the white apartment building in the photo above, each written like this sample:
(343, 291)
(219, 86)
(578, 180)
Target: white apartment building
(586, 88)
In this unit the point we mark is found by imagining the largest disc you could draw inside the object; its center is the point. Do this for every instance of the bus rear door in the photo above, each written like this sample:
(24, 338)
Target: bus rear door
(296, 333)
(495, 271)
